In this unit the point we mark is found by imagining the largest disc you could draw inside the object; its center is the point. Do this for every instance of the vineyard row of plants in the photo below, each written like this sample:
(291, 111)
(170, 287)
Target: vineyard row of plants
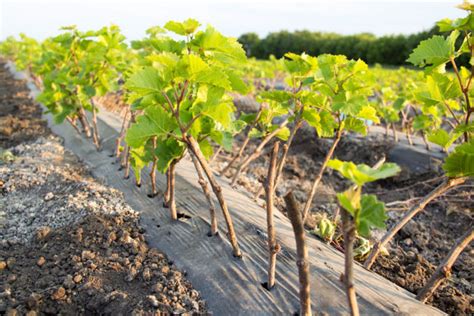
(178, 85)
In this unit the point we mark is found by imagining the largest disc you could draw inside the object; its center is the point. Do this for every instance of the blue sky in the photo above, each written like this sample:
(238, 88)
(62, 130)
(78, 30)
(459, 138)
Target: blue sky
(42, 18)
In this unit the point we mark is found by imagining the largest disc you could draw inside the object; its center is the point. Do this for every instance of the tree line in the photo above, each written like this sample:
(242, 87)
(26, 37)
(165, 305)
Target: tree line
(386, 50)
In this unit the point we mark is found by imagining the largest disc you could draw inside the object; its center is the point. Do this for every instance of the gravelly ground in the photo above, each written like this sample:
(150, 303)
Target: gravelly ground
(70, 245)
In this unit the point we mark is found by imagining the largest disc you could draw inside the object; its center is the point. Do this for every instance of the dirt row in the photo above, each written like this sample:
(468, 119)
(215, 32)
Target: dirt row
(70, 245)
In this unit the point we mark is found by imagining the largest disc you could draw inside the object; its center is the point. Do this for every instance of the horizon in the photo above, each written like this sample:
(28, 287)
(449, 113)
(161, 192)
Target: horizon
(342, 17)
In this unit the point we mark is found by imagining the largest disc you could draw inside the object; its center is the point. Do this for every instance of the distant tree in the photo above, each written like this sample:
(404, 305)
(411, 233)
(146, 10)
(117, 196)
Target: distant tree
(249, 41)
(387, 50)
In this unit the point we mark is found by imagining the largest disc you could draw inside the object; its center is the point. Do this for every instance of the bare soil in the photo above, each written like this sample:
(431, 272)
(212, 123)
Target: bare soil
(70, 245)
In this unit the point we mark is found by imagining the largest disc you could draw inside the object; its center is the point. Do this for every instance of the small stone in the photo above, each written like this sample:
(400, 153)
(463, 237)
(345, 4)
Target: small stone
(11, 278)
(112, 237)
(157, 288)
(42, 232)
(87, 255)
(165, 270)
(400, 281)
(194, 294)
(3, 265)
(41, 261)
(179, 309)
(49, 196)
(32, 313)
(132, 273)
(68, 282)
(153, 300)
(147, 275)
(195, 305)
(34, 300)
(78, 278)
(11, 262)
(59, 294)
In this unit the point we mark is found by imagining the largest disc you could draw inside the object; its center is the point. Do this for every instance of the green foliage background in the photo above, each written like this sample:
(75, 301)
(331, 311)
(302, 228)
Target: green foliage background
(386, 50)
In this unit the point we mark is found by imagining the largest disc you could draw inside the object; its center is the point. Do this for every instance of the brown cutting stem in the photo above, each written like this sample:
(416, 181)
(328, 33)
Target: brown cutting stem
(73, 124)
(349, 237)
(273, 246)
(244, 144)
(257, 152)
(193, 145)
(425, 140)
(127, 163)
(284, 155)
(84, 122)
(286, 148)
(171, 189)
(216, 154)
(153, 170)
(318, 178)
(207, 193)
(394, 132)
(465, 91)
(444, 269)
(438, 191)
(119, 139)
(95, 128)
(302, 262)
(166, 196)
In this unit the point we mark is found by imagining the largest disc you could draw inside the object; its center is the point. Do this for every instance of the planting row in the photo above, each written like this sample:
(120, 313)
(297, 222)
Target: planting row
(178, 93)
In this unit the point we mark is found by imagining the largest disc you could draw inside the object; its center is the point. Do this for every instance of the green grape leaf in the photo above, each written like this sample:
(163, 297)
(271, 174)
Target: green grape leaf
(460, 163)
(422, 122)
(434, 52)
(255, 133)
(311, 116)
(222, 113)
(146, 81)
(283, 134)
(155, 122)
(443, 138)
(327, 124)
(361, 174)
(206, 148)
(280, 96)
(325, 229)
(398, 104)
(224, 139)
(213, 76)
(352, 105)
(166, 151)
(350, 200)
(371, 215)
(139, 158)
(465, 128)
(226, 50)
(355, 125)
(237, 84)
(248, 117)
(186, 27)
(368, 113)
